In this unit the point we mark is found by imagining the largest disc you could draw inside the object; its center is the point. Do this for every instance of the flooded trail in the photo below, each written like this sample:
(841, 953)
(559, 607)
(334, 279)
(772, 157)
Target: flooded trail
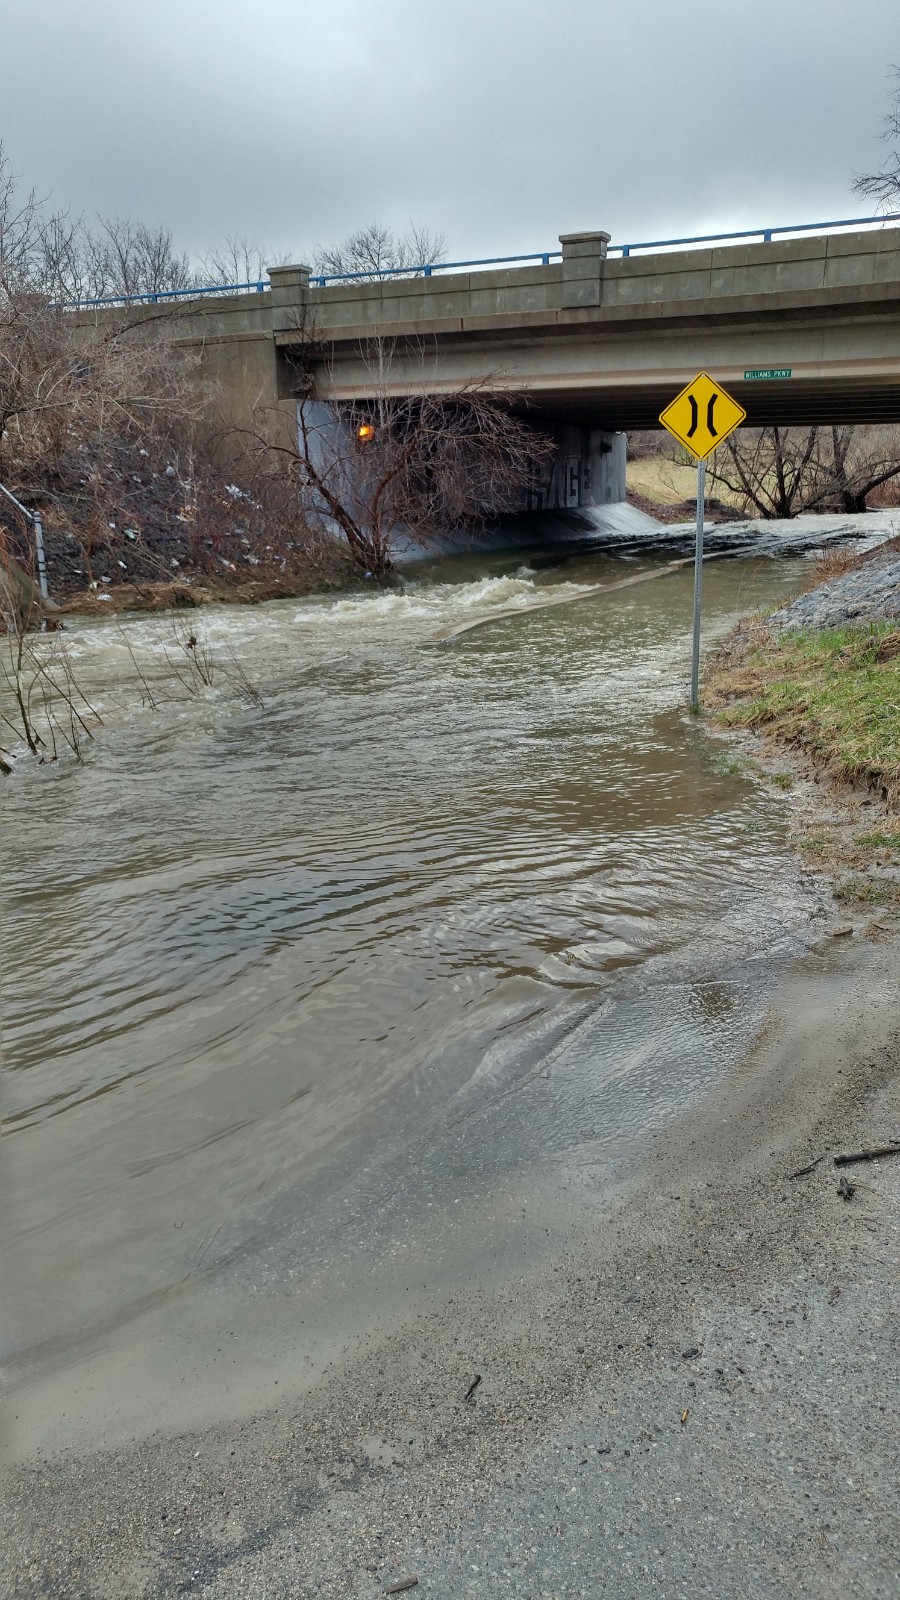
(285, 985)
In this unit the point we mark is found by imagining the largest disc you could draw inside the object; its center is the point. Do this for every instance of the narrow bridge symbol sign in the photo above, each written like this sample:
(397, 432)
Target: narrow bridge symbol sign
(702, 415)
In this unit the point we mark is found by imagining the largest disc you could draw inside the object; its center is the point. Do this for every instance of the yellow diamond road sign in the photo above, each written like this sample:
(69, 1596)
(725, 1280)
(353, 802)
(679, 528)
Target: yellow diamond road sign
(702, 415)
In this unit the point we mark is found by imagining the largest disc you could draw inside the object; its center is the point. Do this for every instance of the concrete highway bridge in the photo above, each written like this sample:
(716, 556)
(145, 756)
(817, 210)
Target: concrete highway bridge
(587, 342)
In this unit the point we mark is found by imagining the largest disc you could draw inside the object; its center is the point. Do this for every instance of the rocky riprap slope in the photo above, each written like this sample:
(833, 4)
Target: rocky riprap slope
(869, 593)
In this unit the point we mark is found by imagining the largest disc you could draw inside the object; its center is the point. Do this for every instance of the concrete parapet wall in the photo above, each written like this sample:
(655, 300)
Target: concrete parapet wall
(588, 281)
(585, 282)
(791, 265)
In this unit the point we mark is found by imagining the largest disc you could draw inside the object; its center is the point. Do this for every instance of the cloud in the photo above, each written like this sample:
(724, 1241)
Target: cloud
(501, 123)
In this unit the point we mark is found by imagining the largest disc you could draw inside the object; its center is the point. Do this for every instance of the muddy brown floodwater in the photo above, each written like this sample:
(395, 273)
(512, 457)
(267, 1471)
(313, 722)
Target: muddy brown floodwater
(299, 999)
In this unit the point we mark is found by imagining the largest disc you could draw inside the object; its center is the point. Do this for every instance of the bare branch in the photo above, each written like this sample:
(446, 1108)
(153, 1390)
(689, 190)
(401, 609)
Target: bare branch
(781, 472)
(375, 250)
(884, 186)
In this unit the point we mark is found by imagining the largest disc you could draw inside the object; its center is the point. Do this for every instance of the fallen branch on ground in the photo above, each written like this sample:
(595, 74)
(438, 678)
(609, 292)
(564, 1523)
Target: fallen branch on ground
(803, 1172)
(892, 1149)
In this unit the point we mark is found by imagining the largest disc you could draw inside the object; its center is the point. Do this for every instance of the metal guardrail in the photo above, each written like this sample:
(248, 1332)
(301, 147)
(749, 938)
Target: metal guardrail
(426, 269)
(37, 526)
(765, 235)
(166, 294)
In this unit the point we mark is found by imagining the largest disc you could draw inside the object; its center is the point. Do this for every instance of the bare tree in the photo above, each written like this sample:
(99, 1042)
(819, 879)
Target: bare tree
(884, 186)
(861, 461)
(71, 394)
(781, 472)
(127, 258)
(41, 251)
(237, 260)
(48, 252)
(411, 466)
(375, 250)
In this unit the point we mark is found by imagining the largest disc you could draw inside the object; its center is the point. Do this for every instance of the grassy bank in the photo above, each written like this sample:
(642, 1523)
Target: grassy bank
(667, 490)
(833, 694)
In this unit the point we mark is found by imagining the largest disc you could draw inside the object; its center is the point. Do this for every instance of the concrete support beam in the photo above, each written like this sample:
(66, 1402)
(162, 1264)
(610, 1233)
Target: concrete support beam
(583, 262)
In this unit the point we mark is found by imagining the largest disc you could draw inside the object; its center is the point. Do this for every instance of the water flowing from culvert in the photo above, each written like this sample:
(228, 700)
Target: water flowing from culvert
(432, 913)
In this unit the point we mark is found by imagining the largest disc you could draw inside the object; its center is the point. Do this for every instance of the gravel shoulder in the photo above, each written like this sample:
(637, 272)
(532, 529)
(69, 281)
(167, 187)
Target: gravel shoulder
(697, 1395)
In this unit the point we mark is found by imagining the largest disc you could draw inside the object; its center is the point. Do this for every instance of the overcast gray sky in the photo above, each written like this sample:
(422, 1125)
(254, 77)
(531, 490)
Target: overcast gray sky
(502, 123)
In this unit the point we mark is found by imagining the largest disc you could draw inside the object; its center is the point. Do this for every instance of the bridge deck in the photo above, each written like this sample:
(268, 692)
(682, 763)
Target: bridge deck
(588, 338)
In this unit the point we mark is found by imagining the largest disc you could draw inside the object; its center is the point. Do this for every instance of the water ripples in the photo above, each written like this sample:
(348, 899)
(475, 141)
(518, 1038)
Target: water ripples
(236, 938)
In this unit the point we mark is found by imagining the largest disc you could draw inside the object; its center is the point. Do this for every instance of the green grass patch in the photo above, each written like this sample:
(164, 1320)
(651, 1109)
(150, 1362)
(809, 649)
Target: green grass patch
(862, 891)
(818, 844)
(879, 841)
(834, 694)
(727, 766)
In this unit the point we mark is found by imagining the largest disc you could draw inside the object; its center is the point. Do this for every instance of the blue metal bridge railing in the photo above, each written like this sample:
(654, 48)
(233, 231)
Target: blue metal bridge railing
(426, 269)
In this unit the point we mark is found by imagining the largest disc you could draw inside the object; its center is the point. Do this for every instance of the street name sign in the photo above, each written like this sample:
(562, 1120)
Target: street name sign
(753, 373)
(702, 415)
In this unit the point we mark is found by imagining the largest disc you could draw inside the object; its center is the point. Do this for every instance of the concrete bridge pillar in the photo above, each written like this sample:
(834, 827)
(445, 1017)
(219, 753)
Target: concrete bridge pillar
(583, 261)
(588, 469)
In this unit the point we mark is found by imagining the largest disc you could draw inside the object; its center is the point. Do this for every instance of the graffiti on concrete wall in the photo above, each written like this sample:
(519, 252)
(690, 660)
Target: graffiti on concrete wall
(562, 484)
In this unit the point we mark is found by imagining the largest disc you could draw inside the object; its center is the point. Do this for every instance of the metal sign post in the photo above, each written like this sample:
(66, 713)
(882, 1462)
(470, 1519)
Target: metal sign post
(700, 418)
(698, 586)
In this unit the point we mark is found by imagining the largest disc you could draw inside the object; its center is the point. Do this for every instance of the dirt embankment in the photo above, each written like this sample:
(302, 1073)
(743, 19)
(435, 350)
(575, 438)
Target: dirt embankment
(187, 596)
(149, 528)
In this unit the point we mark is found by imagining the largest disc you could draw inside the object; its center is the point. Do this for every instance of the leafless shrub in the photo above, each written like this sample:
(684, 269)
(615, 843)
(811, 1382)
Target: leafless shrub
(236, 674)
(834, 562)
(195, 665)
(150, 698)
(190, 659)
(73, 402)
(65, 386)
(75, 397)
(41, 701)
(101, 426)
